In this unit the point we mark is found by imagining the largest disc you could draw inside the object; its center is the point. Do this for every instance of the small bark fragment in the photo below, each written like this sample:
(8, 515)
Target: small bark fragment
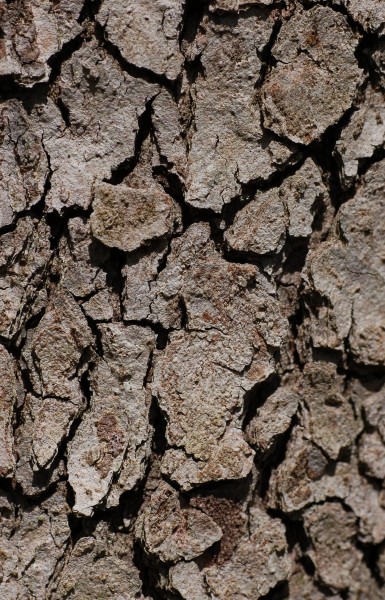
(228, 145)
(103, 104)
(146, 34)
(99, 566)
(316, 76)
(24, 262)
(24, 162)
(225, 351)
(109, 452)
(33, 547)
(347, 270)
(10, 392)
(173, 533)
(258, 563)
(363, 136)
(264, 224)
(32, 33)
(272, 419)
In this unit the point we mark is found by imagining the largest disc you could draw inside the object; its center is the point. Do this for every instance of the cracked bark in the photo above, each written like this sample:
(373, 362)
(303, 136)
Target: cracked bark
(192, 316)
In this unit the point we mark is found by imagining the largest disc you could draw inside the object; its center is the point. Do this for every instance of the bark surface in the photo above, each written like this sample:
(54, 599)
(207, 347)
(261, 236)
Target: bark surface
(192, 299)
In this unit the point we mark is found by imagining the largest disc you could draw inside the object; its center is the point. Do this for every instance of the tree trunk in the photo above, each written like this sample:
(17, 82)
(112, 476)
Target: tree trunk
(192, 300)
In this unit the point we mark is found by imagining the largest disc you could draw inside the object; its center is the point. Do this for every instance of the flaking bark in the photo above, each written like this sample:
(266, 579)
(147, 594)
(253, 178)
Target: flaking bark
(192, 313)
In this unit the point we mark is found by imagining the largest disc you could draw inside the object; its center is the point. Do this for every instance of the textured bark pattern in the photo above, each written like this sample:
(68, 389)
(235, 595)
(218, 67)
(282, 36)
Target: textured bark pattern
(192, 299)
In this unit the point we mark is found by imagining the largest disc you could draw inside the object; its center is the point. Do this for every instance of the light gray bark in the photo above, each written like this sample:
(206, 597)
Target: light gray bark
(192, 306)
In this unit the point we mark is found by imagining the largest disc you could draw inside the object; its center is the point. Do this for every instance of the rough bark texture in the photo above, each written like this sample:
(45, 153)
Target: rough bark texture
(192, 299)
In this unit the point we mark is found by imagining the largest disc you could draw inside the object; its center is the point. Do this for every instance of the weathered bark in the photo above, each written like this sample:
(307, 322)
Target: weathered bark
(192, 299)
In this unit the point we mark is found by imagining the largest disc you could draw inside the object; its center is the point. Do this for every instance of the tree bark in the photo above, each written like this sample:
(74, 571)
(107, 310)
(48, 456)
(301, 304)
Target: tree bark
(192, 300)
